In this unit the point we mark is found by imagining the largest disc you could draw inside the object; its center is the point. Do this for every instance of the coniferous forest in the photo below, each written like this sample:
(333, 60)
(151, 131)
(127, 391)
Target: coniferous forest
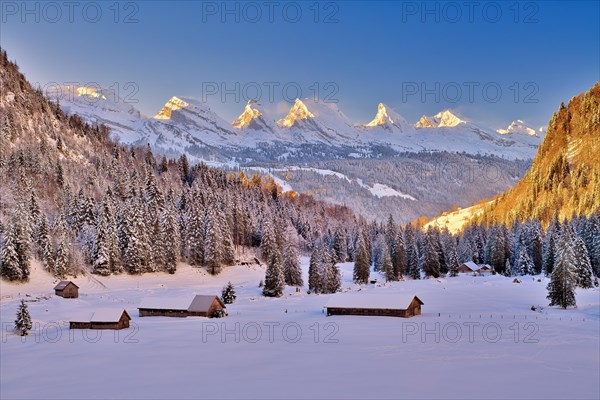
(81, 203)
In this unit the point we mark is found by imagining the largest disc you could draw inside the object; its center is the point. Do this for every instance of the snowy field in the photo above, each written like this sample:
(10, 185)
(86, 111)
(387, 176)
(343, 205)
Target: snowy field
(477, 338)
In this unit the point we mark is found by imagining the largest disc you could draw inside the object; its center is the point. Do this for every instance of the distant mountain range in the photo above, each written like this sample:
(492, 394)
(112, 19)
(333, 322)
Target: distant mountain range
(186, 125)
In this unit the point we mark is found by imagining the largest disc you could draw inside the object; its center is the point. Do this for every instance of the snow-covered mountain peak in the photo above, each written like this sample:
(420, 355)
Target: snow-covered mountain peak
(387, 118)
(518, 126)
(174, 103)
(90, 92)
(382, 117)
(447, 118)
(251, 112)
(299, 111)
(442, 119)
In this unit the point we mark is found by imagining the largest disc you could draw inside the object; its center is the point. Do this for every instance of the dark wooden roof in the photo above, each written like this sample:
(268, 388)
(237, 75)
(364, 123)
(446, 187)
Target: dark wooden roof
(63, 284)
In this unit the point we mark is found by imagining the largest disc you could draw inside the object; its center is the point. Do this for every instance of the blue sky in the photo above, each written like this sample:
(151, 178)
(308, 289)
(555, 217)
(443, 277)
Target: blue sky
(492, 63)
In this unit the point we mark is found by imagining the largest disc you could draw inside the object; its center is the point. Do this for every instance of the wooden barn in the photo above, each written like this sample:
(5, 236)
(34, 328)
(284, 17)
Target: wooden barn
(67, 289)
(397, 305)
(103, 319)
(197, 306)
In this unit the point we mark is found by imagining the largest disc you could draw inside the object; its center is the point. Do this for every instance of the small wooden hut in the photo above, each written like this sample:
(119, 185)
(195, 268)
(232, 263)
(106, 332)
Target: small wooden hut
(197, 306)
(67, 289)
(468, 266)
(398, 305)
(103, 319)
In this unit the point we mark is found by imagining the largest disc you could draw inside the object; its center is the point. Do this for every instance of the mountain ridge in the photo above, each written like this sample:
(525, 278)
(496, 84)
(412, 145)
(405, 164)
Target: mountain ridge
(185, 125)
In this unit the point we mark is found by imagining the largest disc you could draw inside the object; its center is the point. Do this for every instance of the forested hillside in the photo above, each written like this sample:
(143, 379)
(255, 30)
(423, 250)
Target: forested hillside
(80, 202)
(564, 179)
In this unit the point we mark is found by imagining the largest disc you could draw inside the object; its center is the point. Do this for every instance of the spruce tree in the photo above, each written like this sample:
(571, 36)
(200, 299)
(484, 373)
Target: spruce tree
(228, 294)
(453, 263)
(561, 289)
(340, 248)
(508, 269)
(268, 242)
(23, 322)
(100, 255)
(524, 263)
(291, 263)
(171, 244)
(536, 247)
(548, 257)
(413, 262)
(331, 280)
(430, 263)
(583, 267)
(274, 278)
(194, 237)
(21, 235)
(388, 268)
(361, 262)
(62, 257)
(227, 247)
(314, 275)
(399, 261)
(11, 269)
(213, 241)
(45, 245)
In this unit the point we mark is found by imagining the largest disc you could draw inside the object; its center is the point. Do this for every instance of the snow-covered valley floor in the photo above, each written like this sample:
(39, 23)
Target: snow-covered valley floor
(477, 338)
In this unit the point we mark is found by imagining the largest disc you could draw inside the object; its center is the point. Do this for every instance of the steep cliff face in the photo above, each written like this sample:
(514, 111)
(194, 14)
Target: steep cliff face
(564, 178)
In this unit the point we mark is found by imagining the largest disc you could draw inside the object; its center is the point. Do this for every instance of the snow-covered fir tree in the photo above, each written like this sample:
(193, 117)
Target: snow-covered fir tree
(388, 268)
(213, 242)
(361, 262)
(274, 278)
(429, 261)
(453, 263)
(171, 245)
(583, 267)
(314, 273)
(11, 268)
(268, 242)
(291, 263)
(524, 265)
(62, 257)
(23, 321)
(228, 294)
(45, 252)
(563, 280)
(331, 280)
(339, 246)
(549, 248)
(508, 268)
(399, 261)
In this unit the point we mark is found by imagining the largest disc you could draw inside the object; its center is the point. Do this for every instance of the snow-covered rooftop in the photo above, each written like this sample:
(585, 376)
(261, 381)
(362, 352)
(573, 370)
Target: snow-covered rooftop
(201, 303)
(100, 315)
(198, 303)
(472, 265)
(167, 303)
(355, 300)
(107, 315)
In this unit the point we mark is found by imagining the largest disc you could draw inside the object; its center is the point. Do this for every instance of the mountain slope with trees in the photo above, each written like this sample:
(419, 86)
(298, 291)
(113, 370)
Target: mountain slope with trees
(78, 201)
(564, 179)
